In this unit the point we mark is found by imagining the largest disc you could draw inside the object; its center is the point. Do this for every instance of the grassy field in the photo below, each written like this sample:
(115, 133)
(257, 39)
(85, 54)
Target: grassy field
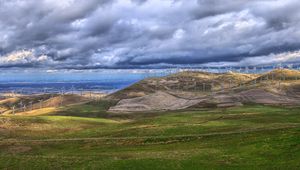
(86, 137)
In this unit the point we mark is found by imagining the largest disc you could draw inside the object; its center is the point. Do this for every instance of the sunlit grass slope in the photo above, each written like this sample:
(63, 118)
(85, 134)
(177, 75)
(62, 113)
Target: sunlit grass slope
(86, 137)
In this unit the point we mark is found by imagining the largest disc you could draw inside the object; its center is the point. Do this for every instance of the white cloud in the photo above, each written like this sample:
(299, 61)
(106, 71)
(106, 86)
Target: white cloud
(179, 34)
(271, 59)
(23, 57)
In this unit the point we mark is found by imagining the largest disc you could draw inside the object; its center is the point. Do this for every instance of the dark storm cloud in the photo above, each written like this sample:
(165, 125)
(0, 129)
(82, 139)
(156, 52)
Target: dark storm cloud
(139, 1)
(83, 34)
(206, 8)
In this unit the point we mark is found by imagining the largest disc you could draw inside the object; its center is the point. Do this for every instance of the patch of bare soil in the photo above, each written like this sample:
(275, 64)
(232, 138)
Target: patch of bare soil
(18, 149)
(293, 90)
(153, 102)
(180, 100)
(261, 96)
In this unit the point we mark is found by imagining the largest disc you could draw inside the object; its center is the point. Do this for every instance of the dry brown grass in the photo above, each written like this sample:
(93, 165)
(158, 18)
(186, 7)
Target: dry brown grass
(9, 101)
(39, 112)
(61, 101)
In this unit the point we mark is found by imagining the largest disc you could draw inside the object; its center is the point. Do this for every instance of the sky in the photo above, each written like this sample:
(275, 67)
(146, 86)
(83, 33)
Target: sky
(133, 34)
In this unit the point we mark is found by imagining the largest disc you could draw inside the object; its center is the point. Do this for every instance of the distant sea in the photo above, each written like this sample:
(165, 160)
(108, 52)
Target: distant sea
(43, 82)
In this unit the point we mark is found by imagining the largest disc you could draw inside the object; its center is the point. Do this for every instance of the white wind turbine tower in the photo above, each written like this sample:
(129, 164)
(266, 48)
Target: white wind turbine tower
(44, 90)
(146, 73)
(247, 69)
(81, 92)
(281, 75)
(21, 105)
(21, 91)
(72, 89)
(24, 107)
(62, 91)
(40, 102)
(13, 109)
(254, 70)
(31, 106)
(13, 93)
(61, 96)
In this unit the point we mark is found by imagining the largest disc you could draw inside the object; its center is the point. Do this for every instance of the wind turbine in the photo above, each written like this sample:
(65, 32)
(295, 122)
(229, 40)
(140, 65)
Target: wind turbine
(13, 109)
(31, 106)
(21, 105)
(61, 100)
(81, 92)
(72, 89)
(24, 108)
(62, 91)
(254, 69)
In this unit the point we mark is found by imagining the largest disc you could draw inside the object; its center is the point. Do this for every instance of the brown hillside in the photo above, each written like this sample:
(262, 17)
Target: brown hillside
(183, 81)
(60, 101)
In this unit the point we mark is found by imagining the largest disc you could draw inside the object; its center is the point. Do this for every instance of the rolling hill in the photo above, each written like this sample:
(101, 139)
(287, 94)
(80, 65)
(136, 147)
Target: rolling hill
(201, 89)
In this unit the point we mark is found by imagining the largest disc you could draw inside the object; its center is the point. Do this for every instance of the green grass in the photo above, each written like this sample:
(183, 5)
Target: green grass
(86, 137)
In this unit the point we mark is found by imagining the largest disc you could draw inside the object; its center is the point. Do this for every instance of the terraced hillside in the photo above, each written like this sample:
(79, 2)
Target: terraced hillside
(184, 81)
(201, 89)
